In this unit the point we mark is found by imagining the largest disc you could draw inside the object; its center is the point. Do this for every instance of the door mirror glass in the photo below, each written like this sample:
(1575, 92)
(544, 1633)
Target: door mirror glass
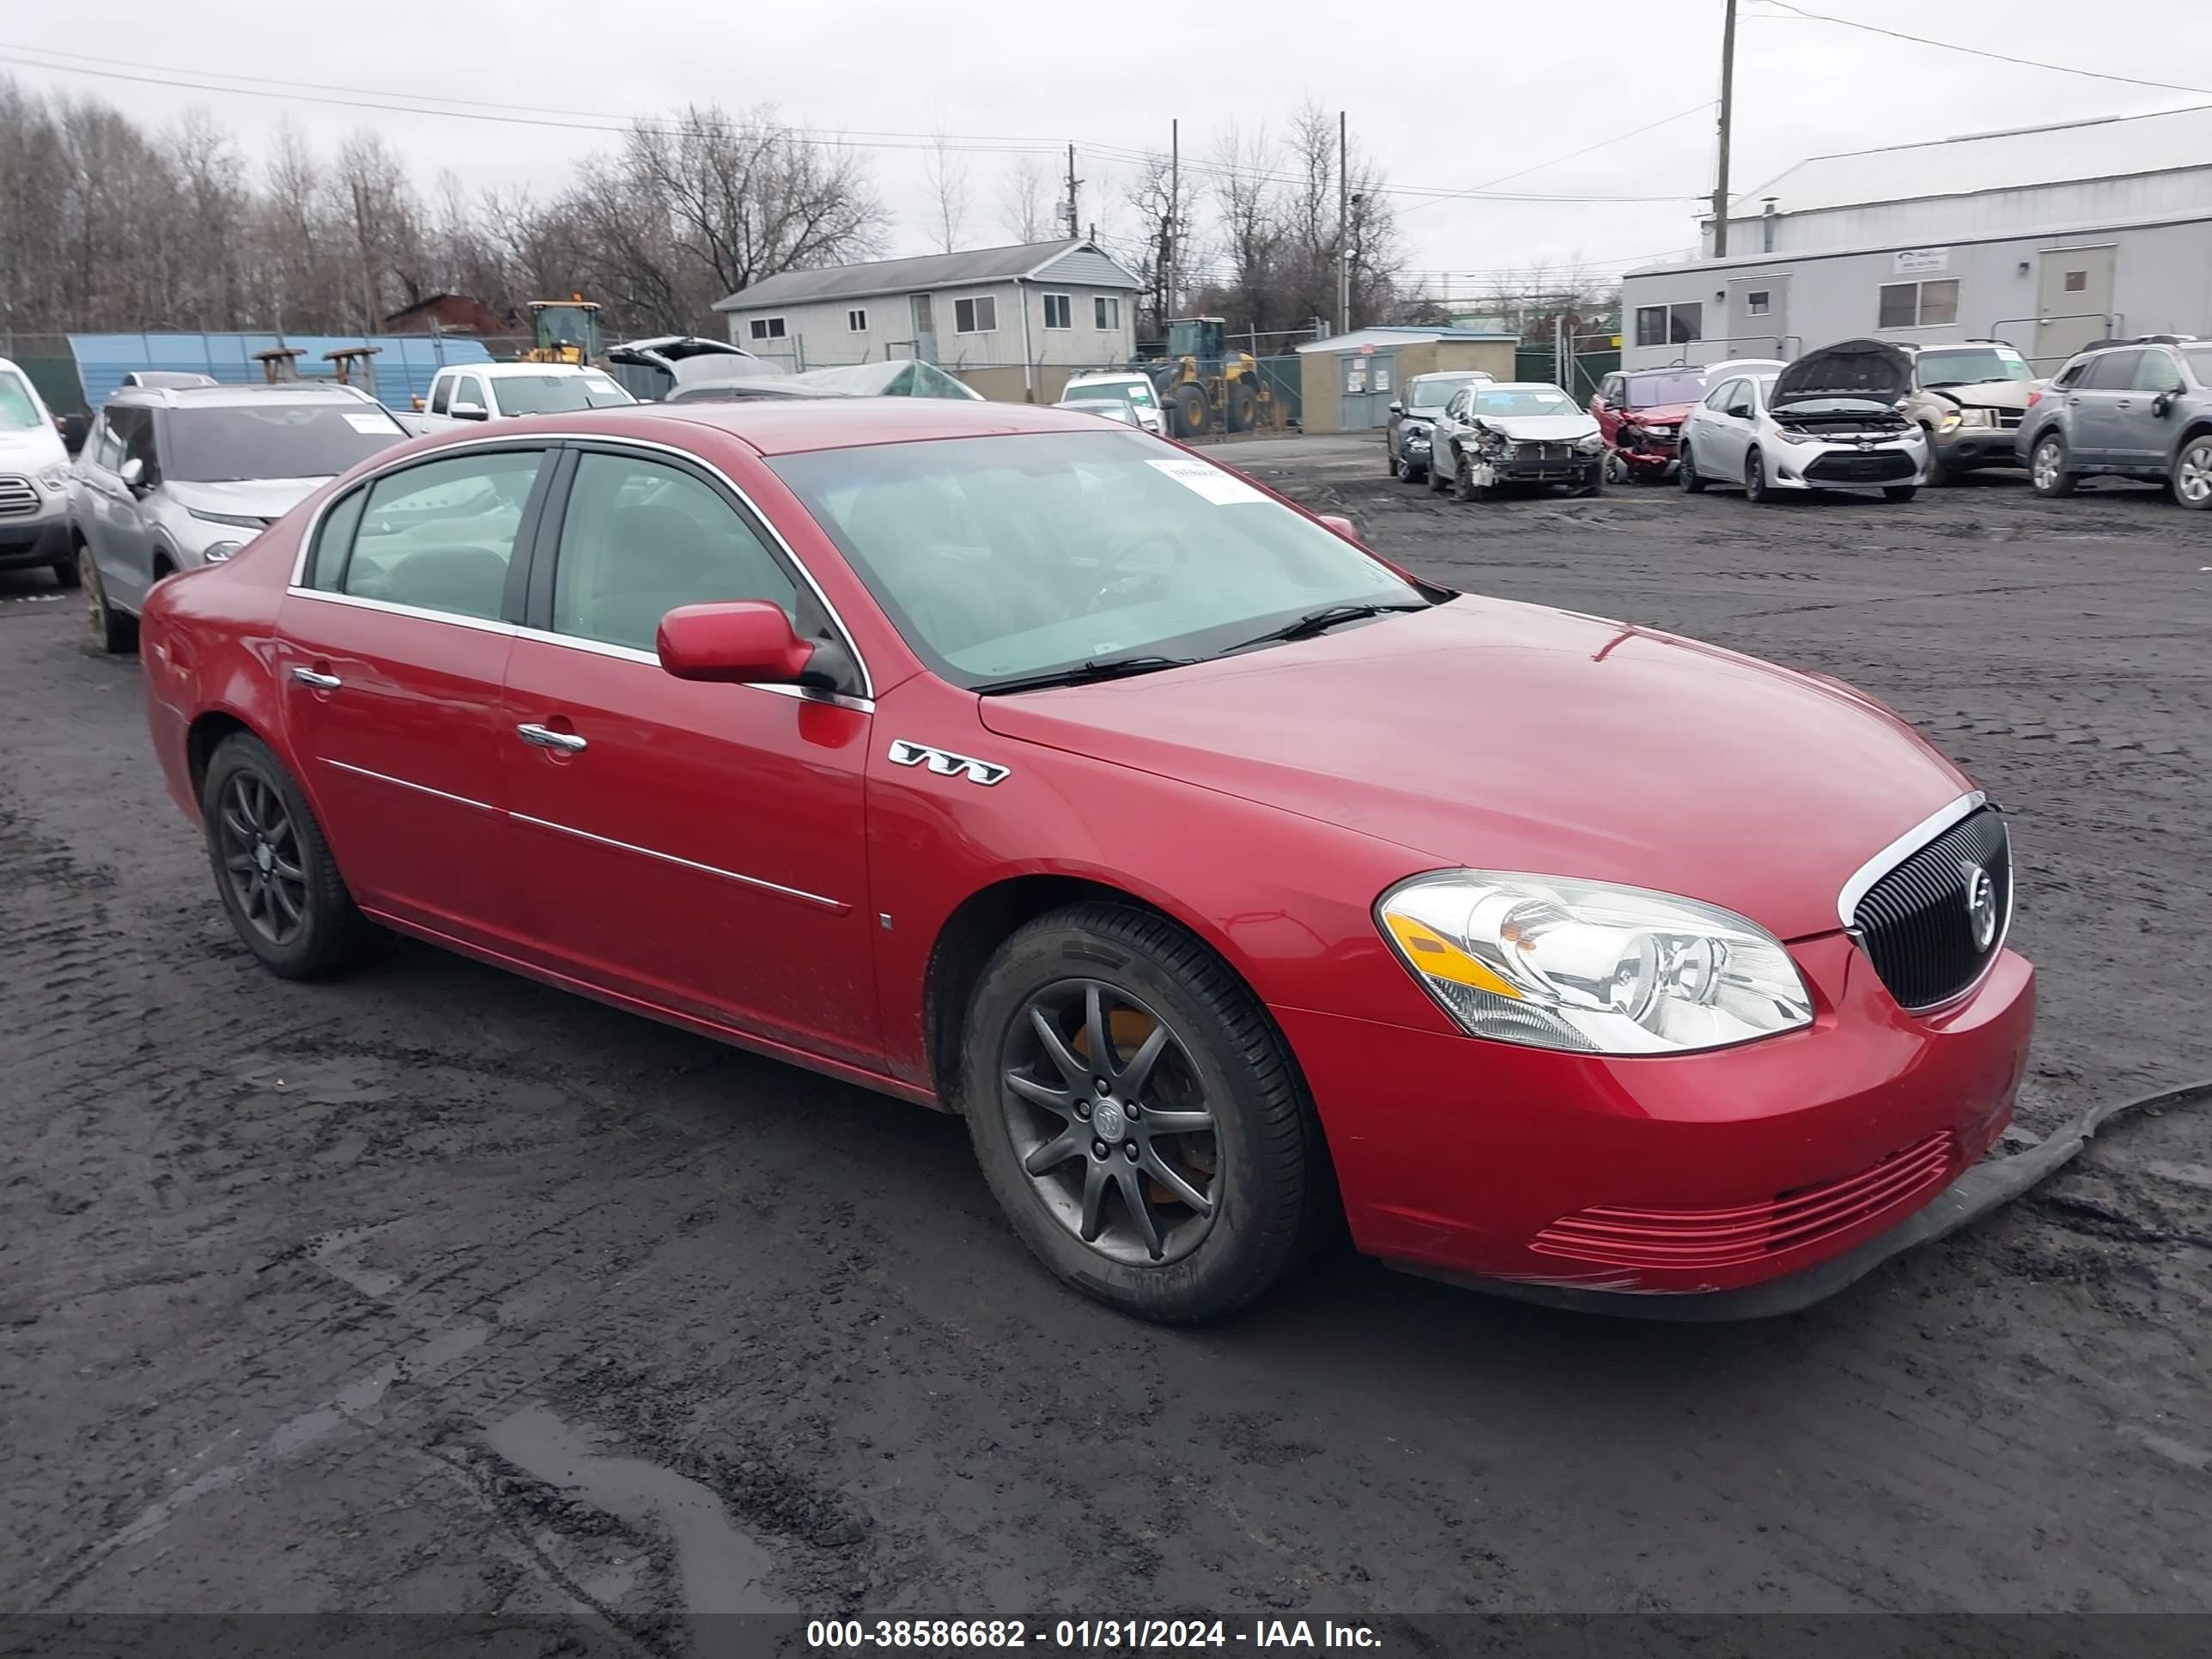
(470, 411)
(745, 641)
(2162, 405)
(133, 472)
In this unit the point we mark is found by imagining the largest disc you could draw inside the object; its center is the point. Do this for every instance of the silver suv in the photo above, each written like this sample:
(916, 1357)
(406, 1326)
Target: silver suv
(171, 478)
(2132, 409)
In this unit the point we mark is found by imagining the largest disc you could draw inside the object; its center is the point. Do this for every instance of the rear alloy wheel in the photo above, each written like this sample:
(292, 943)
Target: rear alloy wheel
(2192, 473)
(1137, 1115)
(1754, 478)
(107, 630)
(274, 870)
(2047, 471)
(1686, 474)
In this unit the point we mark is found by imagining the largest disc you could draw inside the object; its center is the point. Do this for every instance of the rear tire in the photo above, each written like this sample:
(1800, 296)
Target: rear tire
(2047, 471)
(1686, 474)
(290, 906)
(1259, 1163)
(108, 632)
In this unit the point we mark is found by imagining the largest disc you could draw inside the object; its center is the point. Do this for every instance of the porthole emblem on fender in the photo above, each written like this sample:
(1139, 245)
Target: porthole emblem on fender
(945, 764)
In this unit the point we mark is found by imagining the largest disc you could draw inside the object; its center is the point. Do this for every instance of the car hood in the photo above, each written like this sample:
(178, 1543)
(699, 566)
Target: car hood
(245, 498)
(32, 450)
(1987, 394)
(1541, 428)
(1658, 415)
(1504, 736)
(1873, 369)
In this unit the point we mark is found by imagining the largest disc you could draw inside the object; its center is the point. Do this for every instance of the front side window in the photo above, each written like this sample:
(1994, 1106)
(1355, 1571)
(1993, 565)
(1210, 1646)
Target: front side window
(767, 328)
(275, 440)
(469, 389)
(131, 431)
(977, 316)
(1105, 310)
(1004, 557)
(642, 537)
(2158, 371)
(19, 409)
(440, 536)
(1059, 311)
(557, 394)
(1722, 395)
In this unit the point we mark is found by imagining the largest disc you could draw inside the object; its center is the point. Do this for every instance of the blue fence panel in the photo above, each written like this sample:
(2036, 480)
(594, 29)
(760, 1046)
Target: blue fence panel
(402, 367)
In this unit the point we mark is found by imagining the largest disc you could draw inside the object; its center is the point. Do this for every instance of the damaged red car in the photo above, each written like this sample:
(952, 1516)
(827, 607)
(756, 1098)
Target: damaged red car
(1641, 412)
(1233, 885)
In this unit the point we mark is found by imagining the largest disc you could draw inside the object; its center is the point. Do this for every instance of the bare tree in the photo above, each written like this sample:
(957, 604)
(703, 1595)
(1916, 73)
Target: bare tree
(947, 174)
(1025, 205)
(1164, 205)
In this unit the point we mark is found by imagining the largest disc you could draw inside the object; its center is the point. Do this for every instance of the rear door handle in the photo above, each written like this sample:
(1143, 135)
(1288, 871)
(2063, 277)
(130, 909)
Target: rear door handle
(546, 737)
(320, 681)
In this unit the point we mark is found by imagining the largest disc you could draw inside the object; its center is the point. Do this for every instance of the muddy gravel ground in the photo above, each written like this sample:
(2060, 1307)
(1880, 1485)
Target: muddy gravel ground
(438, 1290)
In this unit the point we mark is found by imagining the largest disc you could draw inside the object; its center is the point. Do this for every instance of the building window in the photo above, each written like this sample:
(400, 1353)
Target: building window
(1059, 311)
(1106, 310)
(1669, 325)
(1758, 302)
(1919, 305)
(977, 316)
(768, 328)
(2077, 282)
(856, 322)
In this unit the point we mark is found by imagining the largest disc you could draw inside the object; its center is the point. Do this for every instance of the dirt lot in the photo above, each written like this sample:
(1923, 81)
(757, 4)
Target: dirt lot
(438, 1290)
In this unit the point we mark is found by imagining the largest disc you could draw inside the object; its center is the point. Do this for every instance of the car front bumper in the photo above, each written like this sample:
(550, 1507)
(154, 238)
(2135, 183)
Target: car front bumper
(1537, 464)
(1843, 466)
(37, 537)
(1967, 448)
(1675, 1175)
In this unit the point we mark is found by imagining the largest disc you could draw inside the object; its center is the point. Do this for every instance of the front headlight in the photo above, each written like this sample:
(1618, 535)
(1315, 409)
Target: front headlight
(1581, 965)
(1979, 417)
(55, 478)
(1789, 437)
(1591, 445)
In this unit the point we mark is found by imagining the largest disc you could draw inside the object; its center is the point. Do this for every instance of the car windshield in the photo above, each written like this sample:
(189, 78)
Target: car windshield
(19, 409)
(1001, 558)
(1130, 392)
(1974, 365)
(1434, 390)
(556, 394)
(1649, 391)
(274, 441)
(1525, 400)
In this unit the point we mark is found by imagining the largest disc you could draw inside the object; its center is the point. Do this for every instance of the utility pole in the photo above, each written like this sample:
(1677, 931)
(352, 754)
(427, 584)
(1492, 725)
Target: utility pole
(1175, 209)
(1727, 110)
(1344, 226)
(1074, 224)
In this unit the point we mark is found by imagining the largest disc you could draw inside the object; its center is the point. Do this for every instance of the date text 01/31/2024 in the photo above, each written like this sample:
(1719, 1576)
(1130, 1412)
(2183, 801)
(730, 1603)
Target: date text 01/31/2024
(1139, 1634)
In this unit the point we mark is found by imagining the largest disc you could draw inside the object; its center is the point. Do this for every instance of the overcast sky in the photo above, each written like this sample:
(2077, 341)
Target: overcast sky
(1513, 93)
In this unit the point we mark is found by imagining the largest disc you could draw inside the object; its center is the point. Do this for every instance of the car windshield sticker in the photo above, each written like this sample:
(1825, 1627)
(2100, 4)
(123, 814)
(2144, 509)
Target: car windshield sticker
(1222, 488)
(370, 423)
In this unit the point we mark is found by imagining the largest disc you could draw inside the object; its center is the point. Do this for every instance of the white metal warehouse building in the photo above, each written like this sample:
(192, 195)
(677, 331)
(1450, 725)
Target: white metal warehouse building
(2047, 237)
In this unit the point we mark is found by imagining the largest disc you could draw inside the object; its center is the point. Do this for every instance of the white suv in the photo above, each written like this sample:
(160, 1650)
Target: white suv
(490, 391)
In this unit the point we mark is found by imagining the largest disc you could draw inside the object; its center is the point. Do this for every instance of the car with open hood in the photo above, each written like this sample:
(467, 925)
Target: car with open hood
(1413, 414)
(1496, 433)
(1230, 884)
(1641, 411)
(34, 471)
(1969, 398)
(1829, 421)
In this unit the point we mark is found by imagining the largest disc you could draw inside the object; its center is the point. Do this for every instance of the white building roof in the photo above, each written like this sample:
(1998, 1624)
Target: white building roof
(2111, 147)
(1384, 335)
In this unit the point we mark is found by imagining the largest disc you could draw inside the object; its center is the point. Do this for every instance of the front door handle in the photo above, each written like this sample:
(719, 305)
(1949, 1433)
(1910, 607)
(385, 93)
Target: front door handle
(544, 737)
(320, 681)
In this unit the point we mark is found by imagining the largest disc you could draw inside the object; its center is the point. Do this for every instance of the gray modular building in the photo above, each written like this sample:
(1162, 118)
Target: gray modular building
(2047, 237)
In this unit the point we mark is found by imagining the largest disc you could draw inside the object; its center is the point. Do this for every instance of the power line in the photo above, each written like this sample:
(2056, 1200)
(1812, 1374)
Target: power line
(1602, 143)
(1977, 52)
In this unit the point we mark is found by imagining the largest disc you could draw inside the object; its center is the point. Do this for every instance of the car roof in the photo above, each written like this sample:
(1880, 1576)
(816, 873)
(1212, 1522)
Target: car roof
(1525, 386)
(498, 370)
(778, 426)
(239, 396)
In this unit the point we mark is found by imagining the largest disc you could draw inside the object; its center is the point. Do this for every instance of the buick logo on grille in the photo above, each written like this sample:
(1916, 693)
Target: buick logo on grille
(1981, 905)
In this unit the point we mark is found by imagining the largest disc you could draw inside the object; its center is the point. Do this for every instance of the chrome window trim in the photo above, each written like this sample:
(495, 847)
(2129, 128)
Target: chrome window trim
(631, 654)
(525, 440)
(1910, 842)
(419, 788)
(392, 608)
(838, 905)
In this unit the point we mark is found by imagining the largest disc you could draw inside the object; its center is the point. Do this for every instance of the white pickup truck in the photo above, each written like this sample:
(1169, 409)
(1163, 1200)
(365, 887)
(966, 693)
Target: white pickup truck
(491, 392)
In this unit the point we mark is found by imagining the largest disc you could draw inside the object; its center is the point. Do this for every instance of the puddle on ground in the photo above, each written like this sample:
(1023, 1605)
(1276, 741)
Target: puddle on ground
(723, 1570)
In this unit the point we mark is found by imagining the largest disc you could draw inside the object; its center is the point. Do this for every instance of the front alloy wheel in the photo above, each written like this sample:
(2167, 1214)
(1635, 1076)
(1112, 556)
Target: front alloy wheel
(1754, 478)
(2047, 471)
(2192, 473)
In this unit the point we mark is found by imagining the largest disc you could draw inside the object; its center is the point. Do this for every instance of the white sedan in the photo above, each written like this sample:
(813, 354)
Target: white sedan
(1829, 421)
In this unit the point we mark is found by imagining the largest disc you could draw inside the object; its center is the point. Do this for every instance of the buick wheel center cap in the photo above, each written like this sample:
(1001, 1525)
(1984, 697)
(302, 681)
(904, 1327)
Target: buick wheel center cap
(1108, 1121)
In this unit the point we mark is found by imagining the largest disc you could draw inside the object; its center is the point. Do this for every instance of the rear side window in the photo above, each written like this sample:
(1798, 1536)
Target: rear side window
(641, 538)
(333, 537)
(439, 536)
(2112, 371)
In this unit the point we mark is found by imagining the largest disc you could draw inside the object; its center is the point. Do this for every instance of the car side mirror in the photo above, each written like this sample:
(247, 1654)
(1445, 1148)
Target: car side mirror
(740, 640)
(1397, 408)
(133, 472)
(2162, 405)
(470, 411)
(1742, 411)
(1342, 525)
(417, 402)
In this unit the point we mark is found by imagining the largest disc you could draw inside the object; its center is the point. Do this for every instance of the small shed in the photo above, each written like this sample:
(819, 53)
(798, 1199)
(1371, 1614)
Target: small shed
(1348, 381)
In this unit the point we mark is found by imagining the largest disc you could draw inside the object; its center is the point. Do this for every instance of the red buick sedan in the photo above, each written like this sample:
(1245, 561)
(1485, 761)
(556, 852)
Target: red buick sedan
(1226, 879)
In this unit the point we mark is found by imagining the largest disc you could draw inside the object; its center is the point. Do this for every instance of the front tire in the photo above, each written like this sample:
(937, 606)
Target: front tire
(1686, 474)
(1138, 1116)
(1755, 488)
(2192, 483)
(66, 574)
(2047, 471)
(273, 870)
(1464, 487)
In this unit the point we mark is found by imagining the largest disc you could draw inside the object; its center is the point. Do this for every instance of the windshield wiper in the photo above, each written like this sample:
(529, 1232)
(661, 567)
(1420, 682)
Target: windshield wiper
(1085, 674)
(1321, 621)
